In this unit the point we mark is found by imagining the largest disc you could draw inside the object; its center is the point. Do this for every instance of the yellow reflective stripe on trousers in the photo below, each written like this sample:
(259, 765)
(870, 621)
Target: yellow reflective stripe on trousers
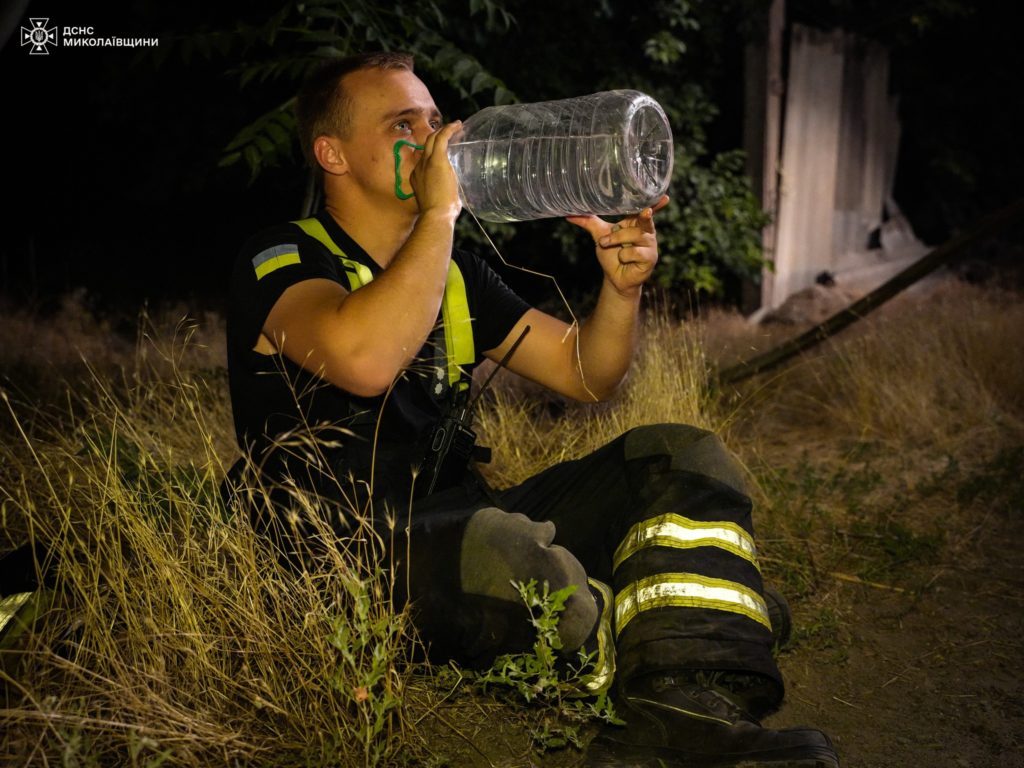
(687, 590)
(601, 678)
(10, 605)
(672, 530)
(458, 327)
(358, 274)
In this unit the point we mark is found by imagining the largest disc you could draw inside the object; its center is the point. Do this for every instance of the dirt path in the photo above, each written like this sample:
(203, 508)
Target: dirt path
(934, 680)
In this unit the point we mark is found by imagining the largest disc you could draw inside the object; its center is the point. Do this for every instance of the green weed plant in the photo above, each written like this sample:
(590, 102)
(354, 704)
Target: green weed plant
(544, 679)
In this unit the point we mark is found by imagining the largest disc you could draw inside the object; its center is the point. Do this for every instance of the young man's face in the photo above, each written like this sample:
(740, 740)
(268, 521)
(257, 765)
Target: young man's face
(386, 106)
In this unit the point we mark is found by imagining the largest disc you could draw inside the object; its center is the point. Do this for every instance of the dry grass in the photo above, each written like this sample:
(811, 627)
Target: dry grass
(528, 431)
(177, 639)
(175, 636)
(933, 370)
(865, 451)
(938, 370)
(66, 342)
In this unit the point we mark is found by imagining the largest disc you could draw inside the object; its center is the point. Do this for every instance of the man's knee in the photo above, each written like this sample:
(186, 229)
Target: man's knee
(690, 449)
(501, 547)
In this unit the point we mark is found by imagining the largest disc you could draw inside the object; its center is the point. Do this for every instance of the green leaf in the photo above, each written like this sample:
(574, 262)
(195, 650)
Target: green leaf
(324, 13)
(480, 81)
(463, 67)
(503, 96)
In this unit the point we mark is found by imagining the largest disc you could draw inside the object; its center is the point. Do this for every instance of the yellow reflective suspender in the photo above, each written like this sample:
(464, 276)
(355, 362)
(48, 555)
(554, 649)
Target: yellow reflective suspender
(358, 274)
(458, 329)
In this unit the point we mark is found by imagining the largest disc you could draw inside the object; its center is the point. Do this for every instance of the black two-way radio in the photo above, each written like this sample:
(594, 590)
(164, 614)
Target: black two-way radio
(452, 442)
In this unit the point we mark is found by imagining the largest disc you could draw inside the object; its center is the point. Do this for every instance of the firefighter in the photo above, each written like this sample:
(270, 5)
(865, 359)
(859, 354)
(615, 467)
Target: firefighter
(351, 338)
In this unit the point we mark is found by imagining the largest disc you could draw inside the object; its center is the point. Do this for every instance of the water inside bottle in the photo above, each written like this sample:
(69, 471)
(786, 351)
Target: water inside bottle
(607, 153)
(546, 176)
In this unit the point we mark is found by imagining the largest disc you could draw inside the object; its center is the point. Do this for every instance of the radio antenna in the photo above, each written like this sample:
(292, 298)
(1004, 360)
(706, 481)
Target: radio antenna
(498, 367)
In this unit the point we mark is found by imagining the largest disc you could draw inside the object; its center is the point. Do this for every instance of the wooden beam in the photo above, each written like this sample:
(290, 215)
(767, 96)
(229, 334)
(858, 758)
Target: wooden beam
(990, 225)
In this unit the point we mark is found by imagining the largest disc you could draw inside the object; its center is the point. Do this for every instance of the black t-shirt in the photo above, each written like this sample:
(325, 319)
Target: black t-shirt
(272, 398)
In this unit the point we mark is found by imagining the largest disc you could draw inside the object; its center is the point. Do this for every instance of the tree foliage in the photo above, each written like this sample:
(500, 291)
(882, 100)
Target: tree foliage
(480, 52)
(292, 41)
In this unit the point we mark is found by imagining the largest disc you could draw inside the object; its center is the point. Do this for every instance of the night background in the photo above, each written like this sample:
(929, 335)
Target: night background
(112, 160)
(116, 162)
(885, 464)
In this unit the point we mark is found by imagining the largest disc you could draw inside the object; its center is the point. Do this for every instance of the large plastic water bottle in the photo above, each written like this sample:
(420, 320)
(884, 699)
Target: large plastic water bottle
(608, 153)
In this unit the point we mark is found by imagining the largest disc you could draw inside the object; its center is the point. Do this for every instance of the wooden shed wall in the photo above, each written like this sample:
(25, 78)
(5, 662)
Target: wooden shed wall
(840, 137)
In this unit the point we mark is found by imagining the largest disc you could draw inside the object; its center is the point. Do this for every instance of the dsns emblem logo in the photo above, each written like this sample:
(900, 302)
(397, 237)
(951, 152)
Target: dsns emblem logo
(39, 37)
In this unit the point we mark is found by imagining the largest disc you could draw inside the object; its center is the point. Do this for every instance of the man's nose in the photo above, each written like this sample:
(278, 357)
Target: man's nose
(422, 130)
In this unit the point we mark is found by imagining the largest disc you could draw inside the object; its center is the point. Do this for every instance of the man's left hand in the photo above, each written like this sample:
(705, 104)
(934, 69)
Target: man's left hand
(627, 250)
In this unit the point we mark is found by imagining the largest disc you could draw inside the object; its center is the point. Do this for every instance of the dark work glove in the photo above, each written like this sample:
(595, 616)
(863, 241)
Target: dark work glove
(501, 547)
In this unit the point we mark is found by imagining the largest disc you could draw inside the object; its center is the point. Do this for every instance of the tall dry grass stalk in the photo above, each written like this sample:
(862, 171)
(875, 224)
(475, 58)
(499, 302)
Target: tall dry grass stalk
(668, 383)
(175, 636)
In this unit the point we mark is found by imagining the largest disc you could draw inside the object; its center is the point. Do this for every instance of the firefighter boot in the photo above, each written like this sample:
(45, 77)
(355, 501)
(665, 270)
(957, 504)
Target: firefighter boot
(673, 722)
(779, 615)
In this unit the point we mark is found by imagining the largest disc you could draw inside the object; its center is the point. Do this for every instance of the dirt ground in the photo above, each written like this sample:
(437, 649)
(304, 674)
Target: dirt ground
(932, 679)
(923, 667)
(920, 666)
(922, 671)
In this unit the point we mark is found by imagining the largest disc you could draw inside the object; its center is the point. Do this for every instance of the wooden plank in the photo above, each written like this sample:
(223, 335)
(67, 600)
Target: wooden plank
(754, 96)
(809, 161)
(847, 228)
(880, 134)
(865, 150)
(775, 92)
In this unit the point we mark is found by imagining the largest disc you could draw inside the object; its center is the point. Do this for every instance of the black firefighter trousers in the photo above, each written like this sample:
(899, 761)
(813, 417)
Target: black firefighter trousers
(659, 514)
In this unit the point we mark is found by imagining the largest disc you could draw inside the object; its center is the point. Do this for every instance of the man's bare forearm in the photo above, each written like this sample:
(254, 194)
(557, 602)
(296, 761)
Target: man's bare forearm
(390, 318)
(627, 252)
(607, 341)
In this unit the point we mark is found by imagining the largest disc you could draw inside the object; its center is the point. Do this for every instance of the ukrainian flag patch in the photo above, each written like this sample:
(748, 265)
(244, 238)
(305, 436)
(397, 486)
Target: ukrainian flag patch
(275, 257)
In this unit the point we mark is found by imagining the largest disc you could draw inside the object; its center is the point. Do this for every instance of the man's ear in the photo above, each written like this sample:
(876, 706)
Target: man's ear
(330, 155)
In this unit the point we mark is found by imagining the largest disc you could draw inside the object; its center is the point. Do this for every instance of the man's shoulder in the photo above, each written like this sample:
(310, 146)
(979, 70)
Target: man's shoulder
(469, 263)
(287, 243)
(281, 233)
(272, 259)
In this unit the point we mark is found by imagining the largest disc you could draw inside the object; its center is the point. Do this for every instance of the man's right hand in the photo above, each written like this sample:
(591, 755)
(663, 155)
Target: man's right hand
(360, 341)
(433, 179)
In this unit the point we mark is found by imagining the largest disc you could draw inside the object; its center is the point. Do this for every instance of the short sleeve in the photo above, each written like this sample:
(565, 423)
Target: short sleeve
(267, 266)
(496, 307)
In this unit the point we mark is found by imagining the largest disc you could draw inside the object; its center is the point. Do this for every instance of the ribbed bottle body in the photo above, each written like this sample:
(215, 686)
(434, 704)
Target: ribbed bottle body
(607, 153)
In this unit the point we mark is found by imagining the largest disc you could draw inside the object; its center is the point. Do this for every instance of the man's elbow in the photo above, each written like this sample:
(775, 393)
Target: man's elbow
(367, 377)
(595, 391)
(365, 387)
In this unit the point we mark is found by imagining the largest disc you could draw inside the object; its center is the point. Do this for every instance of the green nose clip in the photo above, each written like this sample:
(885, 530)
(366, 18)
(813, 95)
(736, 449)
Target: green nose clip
(398, 168)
